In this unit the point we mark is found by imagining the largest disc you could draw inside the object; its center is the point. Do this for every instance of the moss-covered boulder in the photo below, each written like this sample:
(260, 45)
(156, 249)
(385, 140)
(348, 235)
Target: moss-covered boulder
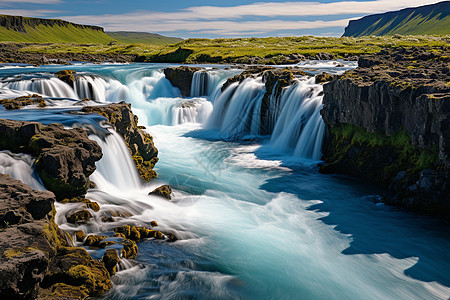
(140, 143)
(67, 76)
(181, 77)
(130, 249)
(87, 203)
(19, 102)
(80, 216)
(65, 158)
(80, 236)
(110, 260)
(164, 191)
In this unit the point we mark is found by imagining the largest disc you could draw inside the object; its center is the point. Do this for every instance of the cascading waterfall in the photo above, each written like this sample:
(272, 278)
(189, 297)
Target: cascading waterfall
(50, 87)
(91, 87)
(294, 120)
(209, 82)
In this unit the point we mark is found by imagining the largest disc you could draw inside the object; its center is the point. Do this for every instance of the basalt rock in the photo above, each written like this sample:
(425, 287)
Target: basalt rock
(164, 191)
(35, 258)
(67, 76)
(389, 121)
(181, 77)
(140, 143)
(110, 260)
(19, 102)
(65, 158)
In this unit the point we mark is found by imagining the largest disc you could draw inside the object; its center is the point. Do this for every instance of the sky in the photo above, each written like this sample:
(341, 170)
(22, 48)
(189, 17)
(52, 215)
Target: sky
(210, 19)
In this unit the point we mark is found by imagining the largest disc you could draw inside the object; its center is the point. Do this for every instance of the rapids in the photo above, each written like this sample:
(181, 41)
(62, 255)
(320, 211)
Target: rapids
(255, 219)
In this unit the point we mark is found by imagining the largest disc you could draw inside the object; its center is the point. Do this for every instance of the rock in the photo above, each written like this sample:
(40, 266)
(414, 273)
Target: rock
(129, 249)
(140, 143)
(67, 76)
(87, 203)
(136, 233)
(325, 77)
(80, 236)
(110, 260)
(81, 216)
(163, 191)
(19, 102)
(153, 223)
(181, 77)
(65, 158)
(35, 260)
(388, 117)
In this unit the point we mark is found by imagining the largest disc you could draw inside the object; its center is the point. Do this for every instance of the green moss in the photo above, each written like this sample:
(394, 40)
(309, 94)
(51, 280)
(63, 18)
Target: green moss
(17, 251)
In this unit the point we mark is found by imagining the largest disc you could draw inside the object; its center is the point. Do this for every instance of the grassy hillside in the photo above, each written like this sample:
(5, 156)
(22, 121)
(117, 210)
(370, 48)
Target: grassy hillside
(428, 19)
(237, 50)
(35, 30)
(129, 37)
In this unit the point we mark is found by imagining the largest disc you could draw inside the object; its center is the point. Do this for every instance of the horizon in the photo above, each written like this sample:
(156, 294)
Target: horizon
(176, 18)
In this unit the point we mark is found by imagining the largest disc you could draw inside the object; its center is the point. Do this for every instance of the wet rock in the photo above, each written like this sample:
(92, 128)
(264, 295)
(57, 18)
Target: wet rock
(153, 223)
(87, 203)
(65, 158)
(325, 77)
(110, 260)
(129, 249)
(163, 191)
(80, 236)
(81, 216)
(140, 143)
(181, 77)
(19, 102)
(67, 76)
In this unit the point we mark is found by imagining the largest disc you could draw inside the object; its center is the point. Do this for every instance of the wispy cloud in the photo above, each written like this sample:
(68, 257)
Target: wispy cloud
(224, 20)
(26, 12)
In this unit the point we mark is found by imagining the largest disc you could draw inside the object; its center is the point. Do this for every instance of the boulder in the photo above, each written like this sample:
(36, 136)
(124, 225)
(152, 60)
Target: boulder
(19, 102)
(67, 76)
(164, 191)
(181, 77)
(110, 260)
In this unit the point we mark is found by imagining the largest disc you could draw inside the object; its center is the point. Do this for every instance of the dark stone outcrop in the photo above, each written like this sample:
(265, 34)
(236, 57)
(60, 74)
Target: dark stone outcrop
(35, 258)
(181, 77)
(140, 143)
(164, 191)
(389, 123)
(19, 102)
(64, 158)
(67, 76)
(110, 260)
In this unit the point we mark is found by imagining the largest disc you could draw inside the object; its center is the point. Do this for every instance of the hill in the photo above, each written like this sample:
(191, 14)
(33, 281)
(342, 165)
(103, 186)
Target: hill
(428, 19)
(36, 30)
(129, 37)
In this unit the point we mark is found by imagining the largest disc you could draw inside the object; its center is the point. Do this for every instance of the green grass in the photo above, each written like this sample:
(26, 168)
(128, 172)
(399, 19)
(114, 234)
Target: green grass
(54, 34)
(229, 50)
(142, 38)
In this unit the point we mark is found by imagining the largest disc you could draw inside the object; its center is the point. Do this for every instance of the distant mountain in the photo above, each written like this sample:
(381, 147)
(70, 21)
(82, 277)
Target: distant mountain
(428, 19)
(36, 30)
(130, 37)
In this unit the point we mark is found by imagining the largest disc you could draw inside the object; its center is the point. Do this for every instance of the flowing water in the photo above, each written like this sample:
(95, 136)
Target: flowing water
(254, 218)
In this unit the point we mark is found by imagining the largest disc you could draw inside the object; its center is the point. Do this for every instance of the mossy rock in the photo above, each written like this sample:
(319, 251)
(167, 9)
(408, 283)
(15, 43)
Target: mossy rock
(130, 249)
(164, 191)
(67, 76)
(110, 260)
(80, 235)
(88, 203)
(81, 216)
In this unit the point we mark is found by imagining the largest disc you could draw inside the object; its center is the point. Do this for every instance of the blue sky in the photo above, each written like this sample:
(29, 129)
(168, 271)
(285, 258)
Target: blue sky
(210, 19)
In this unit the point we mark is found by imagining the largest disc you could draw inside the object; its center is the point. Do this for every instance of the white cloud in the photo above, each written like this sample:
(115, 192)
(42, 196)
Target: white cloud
(25, 12)
(223, 20)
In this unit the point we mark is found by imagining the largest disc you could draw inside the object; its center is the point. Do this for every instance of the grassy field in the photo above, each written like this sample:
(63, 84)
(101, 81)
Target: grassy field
(236, 50)
(54, 34)
(128, 37)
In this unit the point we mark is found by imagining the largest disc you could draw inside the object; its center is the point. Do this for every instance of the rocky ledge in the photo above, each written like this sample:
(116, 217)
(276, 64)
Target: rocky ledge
(389, 123)
(140, 143)
(181, 77)
(65, 158)
(36, 257)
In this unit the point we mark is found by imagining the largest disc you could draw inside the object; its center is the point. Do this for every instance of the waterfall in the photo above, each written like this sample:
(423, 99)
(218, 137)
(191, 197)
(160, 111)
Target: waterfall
(21, 167)
(90, 87)
(293, 117)
(116, 170)
(209, 82)
(50, 87)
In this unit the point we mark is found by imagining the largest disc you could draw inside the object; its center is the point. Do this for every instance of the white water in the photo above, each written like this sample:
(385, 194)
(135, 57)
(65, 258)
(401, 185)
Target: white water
(209, 82)
(253, 226)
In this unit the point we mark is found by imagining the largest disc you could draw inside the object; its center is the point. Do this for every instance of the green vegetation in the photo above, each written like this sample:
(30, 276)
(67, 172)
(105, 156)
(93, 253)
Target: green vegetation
(231, 50)
(128, 37)
(33, 30)
(429, 19)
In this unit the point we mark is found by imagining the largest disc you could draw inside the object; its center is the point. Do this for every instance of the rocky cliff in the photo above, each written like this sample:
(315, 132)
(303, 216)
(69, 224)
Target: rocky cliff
(140, 143)
(427, 19)
(389, 124)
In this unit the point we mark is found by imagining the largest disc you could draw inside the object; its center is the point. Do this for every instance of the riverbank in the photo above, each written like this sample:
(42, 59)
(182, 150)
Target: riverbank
(272, 51)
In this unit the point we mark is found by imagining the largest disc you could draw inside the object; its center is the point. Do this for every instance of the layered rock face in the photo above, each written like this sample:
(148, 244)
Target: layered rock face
(181, 78)
(389, 123)
(140, 143)
(64, 158)
(36, 260)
